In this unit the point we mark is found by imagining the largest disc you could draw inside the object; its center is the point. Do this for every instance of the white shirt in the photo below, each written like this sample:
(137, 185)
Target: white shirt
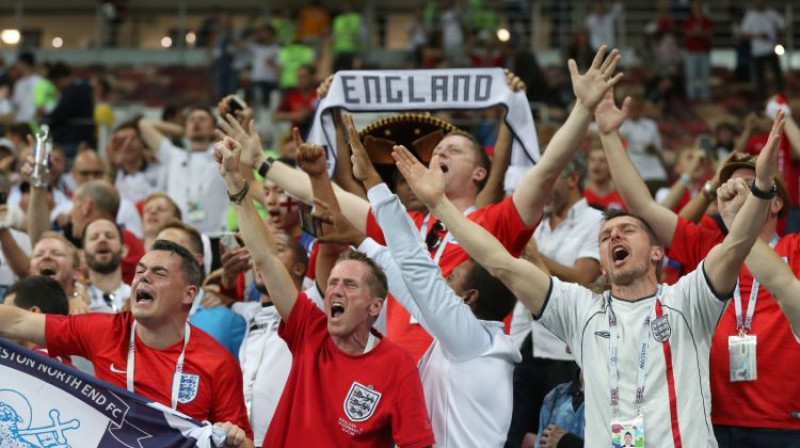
(265, 62)
(136, 187)
(601, 28)
(127, 215)
(7, 276)
(766, 22)
(193, 181)
(452, 33)
(575, 237)
(266, 361)
(118, 296)
(23, 97)
(692, 310)
(640, 134)
(465, 410)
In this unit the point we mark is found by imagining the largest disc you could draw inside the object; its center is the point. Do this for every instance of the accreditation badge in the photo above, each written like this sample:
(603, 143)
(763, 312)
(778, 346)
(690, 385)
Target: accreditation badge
(196, 212)
(742, 350)
(627, 433)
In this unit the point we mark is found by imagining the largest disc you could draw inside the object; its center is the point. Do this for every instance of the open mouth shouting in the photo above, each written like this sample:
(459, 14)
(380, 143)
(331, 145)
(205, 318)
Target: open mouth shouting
(48, 270)
(337, 310)
(143, 298)
(618, 255)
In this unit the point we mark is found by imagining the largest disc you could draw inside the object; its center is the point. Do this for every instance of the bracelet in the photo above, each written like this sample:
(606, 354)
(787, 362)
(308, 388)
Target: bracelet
(265, 166)
(764, 194)
(237, 198)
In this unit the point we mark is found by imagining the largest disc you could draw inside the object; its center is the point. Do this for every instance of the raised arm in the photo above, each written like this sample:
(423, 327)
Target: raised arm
(257, 237)
(17, 259)
(150, 134)
(775, 275)
(626, 177)
(533, 190)
(16, 323)
(38, 216)
(525, 280)
(725, 260)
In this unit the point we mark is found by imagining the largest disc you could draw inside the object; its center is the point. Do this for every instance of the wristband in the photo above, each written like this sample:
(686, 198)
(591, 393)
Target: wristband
(764, 194)
(237, 198)
(265, 166)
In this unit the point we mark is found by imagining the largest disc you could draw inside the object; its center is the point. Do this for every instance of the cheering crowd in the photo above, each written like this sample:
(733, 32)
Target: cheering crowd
(421, 302)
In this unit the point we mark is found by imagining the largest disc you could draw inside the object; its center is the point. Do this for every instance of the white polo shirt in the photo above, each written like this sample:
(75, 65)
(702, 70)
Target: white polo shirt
(137, 186)
(640, 134)
(7, 275)
(194, 183)
(575, 237)
(465, 410)
(766, 22)
(119, 297)
(691, 309)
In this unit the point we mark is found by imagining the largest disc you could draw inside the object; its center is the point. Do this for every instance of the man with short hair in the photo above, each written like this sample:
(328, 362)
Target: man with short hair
(162, 344)
(135, 177)
(348, 383)
(102, 247)
(38, 294)
(56, 257)
(646, 344)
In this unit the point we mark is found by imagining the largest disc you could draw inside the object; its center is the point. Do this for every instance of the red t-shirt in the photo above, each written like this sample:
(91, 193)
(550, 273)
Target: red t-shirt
(296, 100)
(103, 340)
(610, 201)
(785, 163)
(335, 399)
(768, 401)
(698, 44)
(131, 259)
(502, 220)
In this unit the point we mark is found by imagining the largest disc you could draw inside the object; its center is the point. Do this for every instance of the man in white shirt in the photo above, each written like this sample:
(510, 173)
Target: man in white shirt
(192, 180)
(644, 145)
(646, 345)
(600, 24)
(764, 27)
(567, 243)
(135, 177)
(102, 246)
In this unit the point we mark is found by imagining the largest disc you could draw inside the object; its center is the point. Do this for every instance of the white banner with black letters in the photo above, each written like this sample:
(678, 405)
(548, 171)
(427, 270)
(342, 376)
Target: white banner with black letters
(427, 90)
(44, 404)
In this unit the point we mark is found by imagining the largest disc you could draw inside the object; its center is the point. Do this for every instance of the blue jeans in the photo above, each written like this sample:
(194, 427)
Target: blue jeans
(697, 67)
(737, 436)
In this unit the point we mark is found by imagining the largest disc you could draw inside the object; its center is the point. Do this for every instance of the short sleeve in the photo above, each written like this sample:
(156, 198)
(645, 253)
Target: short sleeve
(565, 310)
(304, 323)
(411, 425)
(167, 151)
(504, 222)
(74, 335)
(228, 399)
(701, 304)
(691, 243)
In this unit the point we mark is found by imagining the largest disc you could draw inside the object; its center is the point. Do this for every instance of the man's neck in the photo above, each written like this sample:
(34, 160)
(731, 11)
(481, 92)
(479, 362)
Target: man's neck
(148, 241)
(132, 166)
(199, 145)
(162, 335)
(645, 286)
(107, 283)
(558, 217)
(354, 344)
(463, 202)
(600, 187)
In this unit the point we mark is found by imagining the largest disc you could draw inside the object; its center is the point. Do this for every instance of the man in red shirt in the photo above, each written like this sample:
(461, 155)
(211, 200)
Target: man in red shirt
(698, 53)
(349, 386)
(146, 349)
(745, 413)
(466, 168)
(298, 104)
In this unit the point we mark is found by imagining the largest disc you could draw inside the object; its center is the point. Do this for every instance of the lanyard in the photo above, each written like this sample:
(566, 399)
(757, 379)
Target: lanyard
(176, 377)
(423, 231)
(744, 326)
(196, 302)
(613, 351)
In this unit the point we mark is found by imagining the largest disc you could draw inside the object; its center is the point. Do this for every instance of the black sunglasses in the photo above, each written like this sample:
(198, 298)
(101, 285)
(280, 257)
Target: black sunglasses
(434, 238)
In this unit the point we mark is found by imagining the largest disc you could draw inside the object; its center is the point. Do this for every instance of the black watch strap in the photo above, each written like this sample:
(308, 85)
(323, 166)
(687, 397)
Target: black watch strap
(265, 166)
(764, 194)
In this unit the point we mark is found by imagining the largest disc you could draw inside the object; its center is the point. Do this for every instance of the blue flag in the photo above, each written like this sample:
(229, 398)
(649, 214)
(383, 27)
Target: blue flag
(45, 404)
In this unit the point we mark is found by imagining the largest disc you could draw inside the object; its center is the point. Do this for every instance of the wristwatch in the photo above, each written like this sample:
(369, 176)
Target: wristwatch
(237, 198)
(709, 191)
(265, 166)
(761, 194)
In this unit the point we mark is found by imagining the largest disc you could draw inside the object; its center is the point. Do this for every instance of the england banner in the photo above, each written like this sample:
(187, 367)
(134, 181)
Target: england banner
(45, 404)
(428, 90)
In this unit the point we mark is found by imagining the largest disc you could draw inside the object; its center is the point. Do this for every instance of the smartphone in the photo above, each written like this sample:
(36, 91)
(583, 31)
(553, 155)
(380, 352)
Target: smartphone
(228, 240)
(310, 224)
(236, 104)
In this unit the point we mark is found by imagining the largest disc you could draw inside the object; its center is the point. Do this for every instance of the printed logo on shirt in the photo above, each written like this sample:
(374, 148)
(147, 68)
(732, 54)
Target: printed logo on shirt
(361, 402)
(661, 328)
(187, 390)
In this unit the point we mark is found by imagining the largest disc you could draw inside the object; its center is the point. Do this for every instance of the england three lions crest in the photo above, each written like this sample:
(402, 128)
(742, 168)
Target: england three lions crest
(361, 402)
(188, 387)
(661, 328)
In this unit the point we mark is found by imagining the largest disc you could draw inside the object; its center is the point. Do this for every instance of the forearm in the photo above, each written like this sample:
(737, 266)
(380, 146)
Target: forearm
(695, 209)
(18, 260)
(792, 132)
(674, 196)
(38, 214)
(169, 129)
(397, 286)
(151, 136)
(327, 255)
(344, 168)
(741, 142)
(584, 275)
(16, 323)
(775, 275)
(493, 192)
(262, 247)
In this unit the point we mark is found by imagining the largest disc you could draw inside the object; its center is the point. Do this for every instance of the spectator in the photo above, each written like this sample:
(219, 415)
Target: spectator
(103, 112)
(135, 177)
(55, 257)
(297, 104)
(15, 246)
(695, 168)
(264, 52)
(291, 58)
(698, 27)
(347, 37)
(45, 94)
(102, 247)
(644, 144)
(224, 76)
(158, 209)
(724, 140)
(313, 24)
(72, 120)
(25, 80)
(764, 27)
(600, 24)
(599, 190)
(452, 31)
(561, 419)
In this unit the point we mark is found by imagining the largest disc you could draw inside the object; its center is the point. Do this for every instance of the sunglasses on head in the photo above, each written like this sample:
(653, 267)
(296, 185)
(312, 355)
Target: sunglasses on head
(434, 238)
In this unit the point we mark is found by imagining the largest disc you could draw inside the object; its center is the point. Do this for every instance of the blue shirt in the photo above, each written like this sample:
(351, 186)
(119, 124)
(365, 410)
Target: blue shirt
(222, 324)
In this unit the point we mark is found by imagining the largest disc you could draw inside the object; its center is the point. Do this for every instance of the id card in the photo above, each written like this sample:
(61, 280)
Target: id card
(742, 350)
(196, 212)
(627, 434)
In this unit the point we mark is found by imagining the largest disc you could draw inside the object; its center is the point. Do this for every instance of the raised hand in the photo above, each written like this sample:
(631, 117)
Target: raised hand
(730, 198)
(514, 81)
(226, 154)
(115, 147)
(767, 162)
(252, 150)
(608, 116)
(310, 156)
(363, 170)
(324, 86)
(599, 78)
(427, 183)
(340, 229)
